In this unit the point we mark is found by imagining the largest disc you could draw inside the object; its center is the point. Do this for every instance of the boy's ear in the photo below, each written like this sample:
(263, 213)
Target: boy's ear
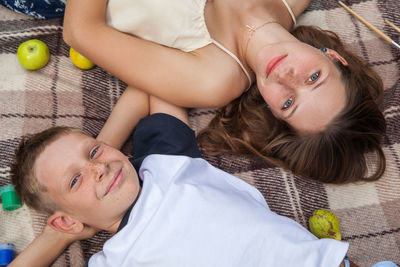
(62, 222)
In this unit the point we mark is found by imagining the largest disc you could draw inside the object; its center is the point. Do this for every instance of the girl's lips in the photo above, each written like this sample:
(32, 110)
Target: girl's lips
(274, 63)
(116, 181)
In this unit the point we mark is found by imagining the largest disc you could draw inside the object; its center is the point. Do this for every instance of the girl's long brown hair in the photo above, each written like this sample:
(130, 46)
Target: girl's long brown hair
(335, 155)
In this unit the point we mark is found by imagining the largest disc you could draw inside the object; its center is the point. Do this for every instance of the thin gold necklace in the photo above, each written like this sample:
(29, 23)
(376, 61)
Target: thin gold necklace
(252, 30)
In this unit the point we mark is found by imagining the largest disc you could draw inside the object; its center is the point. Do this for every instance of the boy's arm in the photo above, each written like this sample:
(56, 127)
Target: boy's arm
(132, 106)
(46, 247)
(160, 106)
(166, 134)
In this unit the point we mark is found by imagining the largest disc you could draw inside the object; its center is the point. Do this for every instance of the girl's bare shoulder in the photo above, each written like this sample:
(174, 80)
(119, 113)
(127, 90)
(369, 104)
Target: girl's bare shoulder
(297, 6)
(224, 80)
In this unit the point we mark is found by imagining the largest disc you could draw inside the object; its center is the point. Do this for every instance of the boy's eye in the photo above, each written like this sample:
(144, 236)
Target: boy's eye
(314, 77)
(93, 152)
(287, 104)
(74, 181)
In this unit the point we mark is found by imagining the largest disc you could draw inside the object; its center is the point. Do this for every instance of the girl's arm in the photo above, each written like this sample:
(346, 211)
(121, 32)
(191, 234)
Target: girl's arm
(192, 79)
(132, 106)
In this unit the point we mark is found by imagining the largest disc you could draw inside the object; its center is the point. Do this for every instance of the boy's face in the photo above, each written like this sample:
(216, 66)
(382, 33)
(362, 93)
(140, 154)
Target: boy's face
(90, 181)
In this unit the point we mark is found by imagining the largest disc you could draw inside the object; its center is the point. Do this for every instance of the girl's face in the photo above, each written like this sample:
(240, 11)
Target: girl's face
(301, 84)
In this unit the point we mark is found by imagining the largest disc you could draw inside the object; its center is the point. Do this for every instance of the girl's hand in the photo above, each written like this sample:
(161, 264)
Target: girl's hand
(352, 264)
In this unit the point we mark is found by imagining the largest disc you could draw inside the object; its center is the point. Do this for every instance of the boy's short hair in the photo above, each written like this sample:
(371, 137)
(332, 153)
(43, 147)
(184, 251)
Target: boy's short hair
(22, 171)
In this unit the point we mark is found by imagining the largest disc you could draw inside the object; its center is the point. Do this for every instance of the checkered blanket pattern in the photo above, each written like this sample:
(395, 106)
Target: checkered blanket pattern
(61, 94)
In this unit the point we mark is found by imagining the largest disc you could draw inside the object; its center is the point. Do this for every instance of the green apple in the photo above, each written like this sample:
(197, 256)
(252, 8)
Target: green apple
(33, 54)
(325, 224)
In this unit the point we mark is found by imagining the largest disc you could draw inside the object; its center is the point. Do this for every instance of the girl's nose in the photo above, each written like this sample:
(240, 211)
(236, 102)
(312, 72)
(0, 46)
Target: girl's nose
(288, 78)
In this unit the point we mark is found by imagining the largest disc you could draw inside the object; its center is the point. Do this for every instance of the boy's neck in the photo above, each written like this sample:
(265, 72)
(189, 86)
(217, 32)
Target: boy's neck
(114, 227)
(122, 221)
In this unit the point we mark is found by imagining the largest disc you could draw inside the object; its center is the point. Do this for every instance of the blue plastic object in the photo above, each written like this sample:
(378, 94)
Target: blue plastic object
(6, 253)
(385, 264)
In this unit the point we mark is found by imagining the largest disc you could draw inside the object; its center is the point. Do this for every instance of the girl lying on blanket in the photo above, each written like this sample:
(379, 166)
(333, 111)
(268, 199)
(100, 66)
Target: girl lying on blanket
(315, 110)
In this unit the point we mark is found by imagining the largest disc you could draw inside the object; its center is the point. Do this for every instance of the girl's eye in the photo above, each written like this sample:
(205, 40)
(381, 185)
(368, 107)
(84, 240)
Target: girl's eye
(314, 77)
(93, 152)
(74, 181)
(288, 103)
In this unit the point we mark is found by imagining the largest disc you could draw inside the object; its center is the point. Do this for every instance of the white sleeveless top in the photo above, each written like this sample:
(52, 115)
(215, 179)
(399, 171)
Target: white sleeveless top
(178, 24)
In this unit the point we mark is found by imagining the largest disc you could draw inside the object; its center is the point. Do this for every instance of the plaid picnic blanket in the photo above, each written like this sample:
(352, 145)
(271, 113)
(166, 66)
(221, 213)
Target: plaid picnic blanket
(61, 94)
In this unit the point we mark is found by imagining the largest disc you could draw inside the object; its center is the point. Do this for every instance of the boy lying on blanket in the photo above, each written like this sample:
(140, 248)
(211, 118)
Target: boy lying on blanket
(182, 212)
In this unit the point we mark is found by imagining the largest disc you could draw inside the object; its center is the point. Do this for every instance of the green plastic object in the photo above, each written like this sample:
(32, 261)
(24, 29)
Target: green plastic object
(9, 198)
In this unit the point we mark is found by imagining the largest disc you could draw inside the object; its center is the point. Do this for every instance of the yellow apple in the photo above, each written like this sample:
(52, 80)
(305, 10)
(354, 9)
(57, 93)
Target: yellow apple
(79, 60)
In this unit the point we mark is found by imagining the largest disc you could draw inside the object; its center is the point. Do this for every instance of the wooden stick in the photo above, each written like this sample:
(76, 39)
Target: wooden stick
(369, 25)
(392, 25)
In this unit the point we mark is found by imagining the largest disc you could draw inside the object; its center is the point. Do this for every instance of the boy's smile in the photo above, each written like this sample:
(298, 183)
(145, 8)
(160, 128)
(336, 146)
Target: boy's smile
(115, 182)
(89, 180)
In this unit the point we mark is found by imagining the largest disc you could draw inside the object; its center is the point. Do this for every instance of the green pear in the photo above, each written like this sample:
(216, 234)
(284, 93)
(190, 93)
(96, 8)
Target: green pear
(325, 224)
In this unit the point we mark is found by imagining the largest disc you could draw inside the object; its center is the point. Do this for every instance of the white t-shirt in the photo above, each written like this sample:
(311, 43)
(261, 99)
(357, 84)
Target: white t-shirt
(191, 214)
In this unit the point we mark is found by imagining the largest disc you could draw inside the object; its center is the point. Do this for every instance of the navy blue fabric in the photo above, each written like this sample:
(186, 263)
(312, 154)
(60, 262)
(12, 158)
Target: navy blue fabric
(125, 219)
(43, 9)
(163, 134)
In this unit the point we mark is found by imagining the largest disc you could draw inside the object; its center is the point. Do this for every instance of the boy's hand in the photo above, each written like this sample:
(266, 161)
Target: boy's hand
(47, 246)
(67, 238)
(352, 264)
